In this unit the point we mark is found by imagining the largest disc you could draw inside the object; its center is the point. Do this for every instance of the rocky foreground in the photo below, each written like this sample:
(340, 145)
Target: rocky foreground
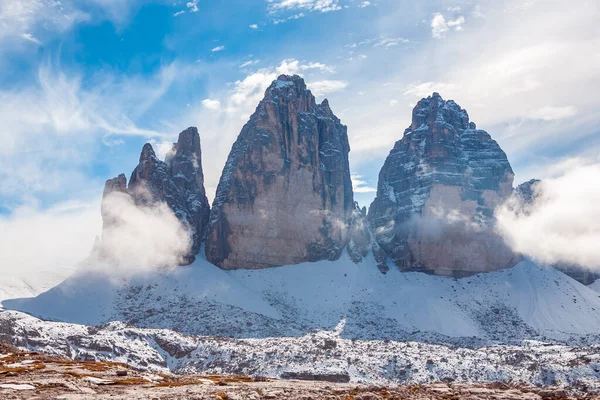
(33, 375)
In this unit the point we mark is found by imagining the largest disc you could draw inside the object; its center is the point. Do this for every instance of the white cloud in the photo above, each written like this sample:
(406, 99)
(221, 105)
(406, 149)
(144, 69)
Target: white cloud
(31, 38)
(563, 225)
(310, 5)
(357, 57)
(385, 41)
(321, 88)
(553, 113)
(252, 87)
(50, 128)
(249, 63)
(439, 25)
(319, 66)
(426, 89)
(211, 104)
(218, 48)
(51, 241)
(192, 6)
(141, 237)
(254, 26)
(291, 17)
(393, 102)
(25, 19)
(359, 185)
(365, 4)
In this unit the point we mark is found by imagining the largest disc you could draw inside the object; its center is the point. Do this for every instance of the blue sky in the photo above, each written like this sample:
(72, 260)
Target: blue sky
(85, 83)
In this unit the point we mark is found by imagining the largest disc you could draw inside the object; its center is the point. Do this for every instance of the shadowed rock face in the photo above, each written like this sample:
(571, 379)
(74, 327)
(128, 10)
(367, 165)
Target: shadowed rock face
(285, 195)
(178, 181)
(436, 194)
(359, 235)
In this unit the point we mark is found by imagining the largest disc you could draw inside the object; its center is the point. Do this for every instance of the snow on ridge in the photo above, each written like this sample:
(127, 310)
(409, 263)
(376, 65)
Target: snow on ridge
(508, 306)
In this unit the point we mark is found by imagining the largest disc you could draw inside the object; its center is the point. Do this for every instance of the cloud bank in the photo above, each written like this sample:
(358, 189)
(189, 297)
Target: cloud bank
(137, 238)
(563, 223)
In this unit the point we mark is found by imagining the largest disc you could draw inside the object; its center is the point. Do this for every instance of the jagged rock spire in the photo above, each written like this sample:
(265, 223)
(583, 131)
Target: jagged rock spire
(436, 194)
(285, 195)
(178, 181)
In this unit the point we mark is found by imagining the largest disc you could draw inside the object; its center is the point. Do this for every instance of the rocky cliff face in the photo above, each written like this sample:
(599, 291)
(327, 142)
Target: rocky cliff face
(436, 194)
(285, 196)
(178, 181)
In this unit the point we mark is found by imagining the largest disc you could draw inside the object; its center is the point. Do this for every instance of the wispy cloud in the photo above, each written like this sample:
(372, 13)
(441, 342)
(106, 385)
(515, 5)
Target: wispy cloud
(379, 41)
(192, 6)
(218, 48)
(360, 185)
(249, 63)
(553, 113)
(321, 88)
(425, 89)
(291, 17)
(25, 19)
(309, 5)
(212, 104)
(385, 41)
(50, 127)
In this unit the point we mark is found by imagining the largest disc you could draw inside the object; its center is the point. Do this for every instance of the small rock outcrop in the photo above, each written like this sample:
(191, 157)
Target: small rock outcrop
(359, 234)
(178, 181)
(436, 194)
(285, 195)
(526, 192)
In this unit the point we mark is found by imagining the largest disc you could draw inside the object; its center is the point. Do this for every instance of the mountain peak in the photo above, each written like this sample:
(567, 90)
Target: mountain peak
(436, 113)
(289, 80)
(147, 152)
(286, 185)
(188, 141)
(443, 176)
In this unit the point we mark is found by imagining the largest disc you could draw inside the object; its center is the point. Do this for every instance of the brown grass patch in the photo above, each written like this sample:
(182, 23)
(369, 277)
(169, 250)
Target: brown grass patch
(228, 379)
(134, 380)
(177, 383)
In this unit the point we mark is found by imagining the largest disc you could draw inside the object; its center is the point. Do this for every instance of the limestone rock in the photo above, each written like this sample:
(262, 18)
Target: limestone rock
(360, 237)
(178, 181)
(285, 195)
(436, 194)
(526, 191)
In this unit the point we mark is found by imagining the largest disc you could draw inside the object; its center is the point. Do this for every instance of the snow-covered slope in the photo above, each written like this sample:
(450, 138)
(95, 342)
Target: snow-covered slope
(595, 285)
(524, 302)
(29, 285)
